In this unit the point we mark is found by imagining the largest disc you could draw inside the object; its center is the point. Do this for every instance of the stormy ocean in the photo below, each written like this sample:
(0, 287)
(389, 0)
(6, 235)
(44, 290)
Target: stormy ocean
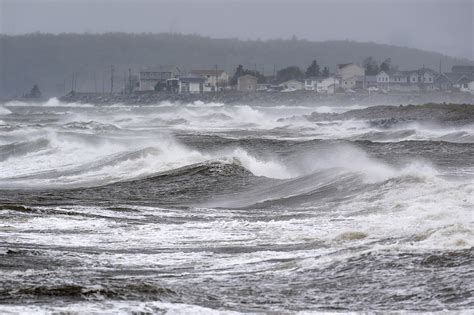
(206, 207)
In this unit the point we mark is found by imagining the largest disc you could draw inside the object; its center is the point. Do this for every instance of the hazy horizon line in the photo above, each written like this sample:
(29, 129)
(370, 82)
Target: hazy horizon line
(294, 37)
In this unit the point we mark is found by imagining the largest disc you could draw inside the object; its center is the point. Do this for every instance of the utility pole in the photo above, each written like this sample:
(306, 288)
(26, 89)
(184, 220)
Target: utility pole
(103, 81)
(124, 82)
(130, 88)
(75, 81)
(215, 82)
(95, 82)
(112, 69)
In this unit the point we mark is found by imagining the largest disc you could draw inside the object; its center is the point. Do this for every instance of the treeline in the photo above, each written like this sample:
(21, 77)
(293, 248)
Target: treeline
(370, 65)
(58, 62)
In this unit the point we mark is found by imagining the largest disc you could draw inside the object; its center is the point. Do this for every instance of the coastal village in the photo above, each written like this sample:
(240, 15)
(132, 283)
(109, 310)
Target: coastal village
(348, 78)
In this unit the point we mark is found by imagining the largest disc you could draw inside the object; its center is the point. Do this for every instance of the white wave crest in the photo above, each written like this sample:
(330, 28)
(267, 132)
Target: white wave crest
(4, 111)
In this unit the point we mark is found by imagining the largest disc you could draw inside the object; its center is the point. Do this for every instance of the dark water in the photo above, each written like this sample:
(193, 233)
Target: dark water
(211, 208)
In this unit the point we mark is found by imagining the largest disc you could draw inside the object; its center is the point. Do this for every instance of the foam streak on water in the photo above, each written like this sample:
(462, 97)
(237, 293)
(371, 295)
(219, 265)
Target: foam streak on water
(209, 208)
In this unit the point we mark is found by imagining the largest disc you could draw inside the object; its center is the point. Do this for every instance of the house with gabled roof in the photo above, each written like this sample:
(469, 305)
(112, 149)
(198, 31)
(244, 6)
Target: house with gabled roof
(406, 81)
(463, 69)
(153, 78)
(365, 82)
(311, 83)
(247, 83)
(470, 87)
(215, 79)
(453, 81)
(443, 82)
(328, 85)
(191, 83)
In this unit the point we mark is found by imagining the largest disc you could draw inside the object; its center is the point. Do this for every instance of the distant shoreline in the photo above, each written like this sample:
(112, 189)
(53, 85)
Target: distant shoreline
(271, 98)
(263, 98)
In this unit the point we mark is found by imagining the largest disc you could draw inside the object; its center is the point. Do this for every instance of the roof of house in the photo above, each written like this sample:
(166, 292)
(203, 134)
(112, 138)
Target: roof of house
(442, 77)
(380, 72)
(455, 77)
(247, 76)
(191, 77)
(161, 68)
(463, 69)
(343, 65)
(353, 78)
(426, 70)
(365, 78)
(209, 72)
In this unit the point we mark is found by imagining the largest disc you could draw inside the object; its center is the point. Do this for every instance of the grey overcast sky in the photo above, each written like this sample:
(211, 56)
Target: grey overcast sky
(444, 26)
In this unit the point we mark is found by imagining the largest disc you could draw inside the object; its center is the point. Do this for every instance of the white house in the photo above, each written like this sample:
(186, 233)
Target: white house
(149, 78)
(327, 85)
(349, 83)
(470, 87)
(414, 80)
(382, 77)
(191, 83)
(467, 86)
(215, 79)
(247, 83)
(311, 84)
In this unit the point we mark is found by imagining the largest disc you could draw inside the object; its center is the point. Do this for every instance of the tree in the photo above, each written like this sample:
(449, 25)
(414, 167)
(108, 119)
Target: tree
(289, 73)
(325, 72)
(313, 70)
(240, 71)
(371, 66)
(35, 92)
(386, 65)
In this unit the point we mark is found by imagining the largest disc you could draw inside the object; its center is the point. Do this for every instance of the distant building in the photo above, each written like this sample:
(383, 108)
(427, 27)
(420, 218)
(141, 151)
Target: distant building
(151, 79)
(470, 87)
(311, 84)
(247, 83)
(328, 85)
(406, 81)
(349, 70)
(349, 83)
(191, 83)
(215, 79)
(383, 80)
(463, 69)
(364, 82)
(443, 82)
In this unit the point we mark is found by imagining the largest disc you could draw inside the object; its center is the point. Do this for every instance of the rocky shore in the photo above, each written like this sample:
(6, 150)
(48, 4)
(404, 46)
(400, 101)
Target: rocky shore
(271, 98)
(389, 116)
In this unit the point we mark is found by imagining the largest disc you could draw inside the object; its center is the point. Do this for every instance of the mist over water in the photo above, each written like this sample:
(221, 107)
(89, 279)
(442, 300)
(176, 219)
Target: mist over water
(207, 207)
